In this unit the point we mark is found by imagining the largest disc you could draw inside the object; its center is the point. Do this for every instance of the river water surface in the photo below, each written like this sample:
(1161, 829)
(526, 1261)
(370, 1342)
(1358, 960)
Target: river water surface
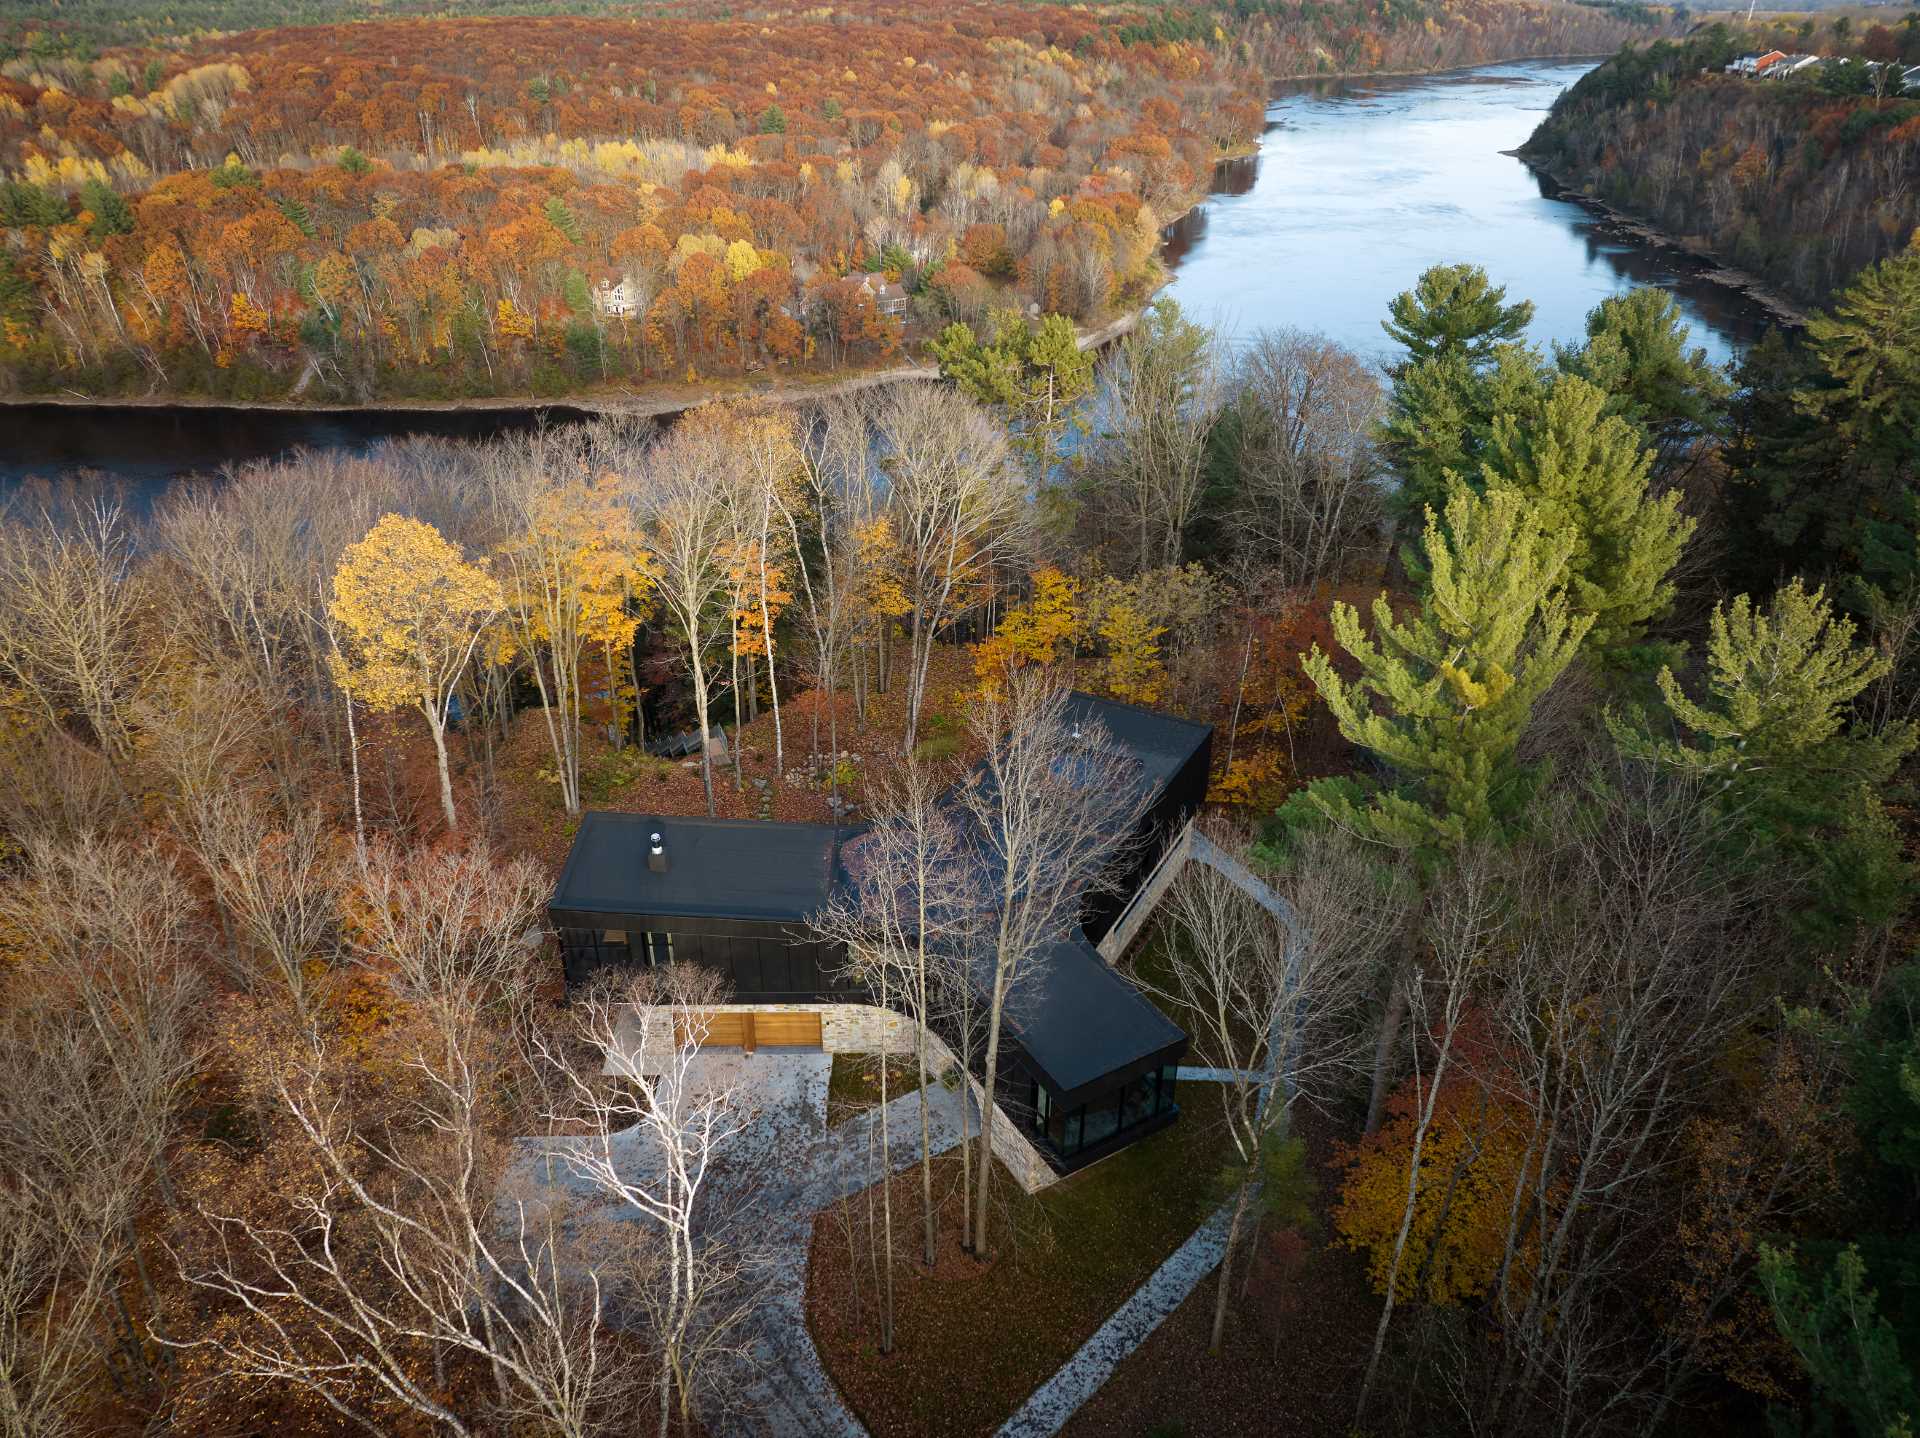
(1358, 186)
(1361, 184)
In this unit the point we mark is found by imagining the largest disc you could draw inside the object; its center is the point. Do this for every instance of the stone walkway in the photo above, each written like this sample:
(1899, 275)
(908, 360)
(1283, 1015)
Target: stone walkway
(782, 1391)
(785, 1165)
(1080, 1377)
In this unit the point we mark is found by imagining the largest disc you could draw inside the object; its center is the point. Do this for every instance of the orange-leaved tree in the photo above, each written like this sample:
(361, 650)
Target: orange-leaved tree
(410, 609)
(1469, 1167)
(1046, 628)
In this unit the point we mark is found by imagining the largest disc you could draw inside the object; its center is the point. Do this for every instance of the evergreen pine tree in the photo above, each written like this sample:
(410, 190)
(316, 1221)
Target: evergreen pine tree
(1805, 785)
(1455, 309)
(1440, 416)
(1585, 473)
(1443, 696)
(1636, 351)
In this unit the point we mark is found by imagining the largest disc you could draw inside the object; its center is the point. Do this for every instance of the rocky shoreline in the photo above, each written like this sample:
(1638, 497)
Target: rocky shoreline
(1716, 270)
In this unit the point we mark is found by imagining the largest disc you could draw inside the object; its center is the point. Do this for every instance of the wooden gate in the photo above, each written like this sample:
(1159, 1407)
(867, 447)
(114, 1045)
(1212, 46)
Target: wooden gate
(744, 1029)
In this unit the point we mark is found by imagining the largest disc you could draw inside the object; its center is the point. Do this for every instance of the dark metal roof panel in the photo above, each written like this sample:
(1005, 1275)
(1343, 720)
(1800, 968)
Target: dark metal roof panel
(716, 868)
(1078, 1020)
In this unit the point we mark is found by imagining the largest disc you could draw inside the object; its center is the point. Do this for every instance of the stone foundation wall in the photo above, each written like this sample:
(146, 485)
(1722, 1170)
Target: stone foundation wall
(868, 1029)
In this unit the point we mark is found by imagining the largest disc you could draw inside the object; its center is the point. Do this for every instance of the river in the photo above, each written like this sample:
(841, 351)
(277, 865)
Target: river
(1358, 186)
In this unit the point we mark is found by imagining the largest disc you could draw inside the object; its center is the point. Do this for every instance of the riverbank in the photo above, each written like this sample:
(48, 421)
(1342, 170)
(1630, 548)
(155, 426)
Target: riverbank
(1443, 71)
(1716, 272)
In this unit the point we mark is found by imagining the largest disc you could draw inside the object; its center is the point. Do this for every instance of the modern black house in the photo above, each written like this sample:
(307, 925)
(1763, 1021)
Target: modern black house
(1088, 1062)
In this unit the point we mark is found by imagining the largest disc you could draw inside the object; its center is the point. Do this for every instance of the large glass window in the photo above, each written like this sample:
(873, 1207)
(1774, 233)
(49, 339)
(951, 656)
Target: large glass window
(659, 948)
(1136, 1100)
(1102, 1121)
(1163, 1099)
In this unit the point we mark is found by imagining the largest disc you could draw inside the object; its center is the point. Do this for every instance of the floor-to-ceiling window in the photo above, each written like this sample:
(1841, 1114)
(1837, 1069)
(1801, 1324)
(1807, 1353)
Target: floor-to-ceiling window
(1135, 1102)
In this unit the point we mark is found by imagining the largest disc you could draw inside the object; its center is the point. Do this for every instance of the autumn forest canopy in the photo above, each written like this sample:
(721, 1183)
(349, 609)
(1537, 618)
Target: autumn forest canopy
(1541, 927)
(494, 204)
(1574, 725)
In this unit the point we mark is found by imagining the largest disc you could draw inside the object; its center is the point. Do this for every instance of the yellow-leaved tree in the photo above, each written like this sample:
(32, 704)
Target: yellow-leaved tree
(575, 573)
(1034, 633)
(409, 609)
(1135, 674)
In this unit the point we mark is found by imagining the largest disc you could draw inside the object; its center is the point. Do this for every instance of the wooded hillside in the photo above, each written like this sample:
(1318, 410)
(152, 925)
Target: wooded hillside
(1795, 181)
(471, 206)
(492, 204)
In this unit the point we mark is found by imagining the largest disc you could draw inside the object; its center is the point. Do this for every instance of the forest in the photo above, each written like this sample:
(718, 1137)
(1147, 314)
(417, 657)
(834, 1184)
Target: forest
(1800, 182)
(1574, 713)
(486, 204)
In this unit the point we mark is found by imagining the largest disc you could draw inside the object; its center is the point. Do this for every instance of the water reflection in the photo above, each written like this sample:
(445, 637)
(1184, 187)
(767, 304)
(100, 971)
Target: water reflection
(149, 446)
(1361, 184)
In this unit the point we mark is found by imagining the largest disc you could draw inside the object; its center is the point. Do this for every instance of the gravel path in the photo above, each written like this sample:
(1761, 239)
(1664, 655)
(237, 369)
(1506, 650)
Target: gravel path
(781, 1390)
(1080, 1377)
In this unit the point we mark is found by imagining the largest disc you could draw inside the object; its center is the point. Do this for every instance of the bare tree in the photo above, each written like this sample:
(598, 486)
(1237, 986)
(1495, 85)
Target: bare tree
(958, 509)
(116, 931)
(71, 1156)
(823, 514)
(400, 1256)
(1270, 990)
(449, 927)
(1461, 920)
(206, 733)
(768, 463)
(644, 1131)
(53, 787)
(681, 493)
(1613, 1012)
(1051, 814)
(897, 920)
(277, 885)
(1303, 413)
(76, 632)
(1160, 395)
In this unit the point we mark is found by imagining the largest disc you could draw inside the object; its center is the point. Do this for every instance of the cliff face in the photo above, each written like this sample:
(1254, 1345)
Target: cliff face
(1783, 179)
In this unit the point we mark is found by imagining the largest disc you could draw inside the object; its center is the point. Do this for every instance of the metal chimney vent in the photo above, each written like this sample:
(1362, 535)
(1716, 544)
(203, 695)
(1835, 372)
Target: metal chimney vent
(656, 852)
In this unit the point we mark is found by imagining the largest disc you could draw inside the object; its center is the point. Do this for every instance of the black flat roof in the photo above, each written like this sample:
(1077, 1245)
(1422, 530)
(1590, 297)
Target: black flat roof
(716, 868)
(1159, 743)
(1078, 1020)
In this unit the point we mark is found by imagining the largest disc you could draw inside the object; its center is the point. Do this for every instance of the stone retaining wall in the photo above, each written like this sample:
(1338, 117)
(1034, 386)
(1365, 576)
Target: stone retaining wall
(869, 1029)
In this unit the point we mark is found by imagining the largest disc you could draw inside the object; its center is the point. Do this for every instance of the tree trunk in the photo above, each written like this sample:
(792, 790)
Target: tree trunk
(439, 728)
(353, 759)
(706, 730)
(926, 1137)
(1241, 1202)
(886, 1207)
(1391, 1022)
(986, 1117)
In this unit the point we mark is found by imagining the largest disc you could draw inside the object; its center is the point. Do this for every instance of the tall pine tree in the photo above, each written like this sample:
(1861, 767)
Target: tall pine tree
(1585, 472)
(1444, 695)
(1455, 310)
